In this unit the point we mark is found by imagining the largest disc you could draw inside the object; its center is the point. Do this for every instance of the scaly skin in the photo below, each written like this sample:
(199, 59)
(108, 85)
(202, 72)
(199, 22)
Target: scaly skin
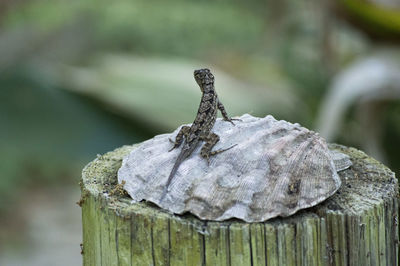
(200, 130)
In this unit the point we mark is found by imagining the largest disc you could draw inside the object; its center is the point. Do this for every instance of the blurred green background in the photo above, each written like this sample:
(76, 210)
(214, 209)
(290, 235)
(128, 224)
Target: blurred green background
(80, 78)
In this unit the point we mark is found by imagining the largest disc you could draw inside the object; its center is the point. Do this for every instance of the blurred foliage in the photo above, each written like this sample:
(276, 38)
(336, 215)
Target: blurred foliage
(242, 37)
(126, 83)
(48, 135)
(375, 18)
(391, 138)
(176, 27)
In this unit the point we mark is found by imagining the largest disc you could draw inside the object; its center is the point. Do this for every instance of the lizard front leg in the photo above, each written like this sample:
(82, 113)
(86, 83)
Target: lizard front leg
(224, 113)
(184, 132)
(210, 141)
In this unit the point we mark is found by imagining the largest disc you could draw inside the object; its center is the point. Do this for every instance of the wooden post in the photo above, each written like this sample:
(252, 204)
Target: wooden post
(356, 226)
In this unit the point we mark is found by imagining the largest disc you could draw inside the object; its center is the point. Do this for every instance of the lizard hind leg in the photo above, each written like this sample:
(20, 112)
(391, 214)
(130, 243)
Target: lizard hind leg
(210, 141)
(184, 132)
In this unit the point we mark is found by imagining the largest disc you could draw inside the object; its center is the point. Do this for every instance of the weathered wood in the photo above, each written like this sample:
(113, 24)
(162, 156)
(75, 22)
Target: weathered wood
(356, 226)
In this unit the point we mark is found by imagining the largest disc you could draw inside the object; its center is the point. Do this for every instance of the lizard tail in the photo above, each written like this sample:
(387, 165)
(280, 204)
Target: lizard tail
(171, 175)
(178, 161)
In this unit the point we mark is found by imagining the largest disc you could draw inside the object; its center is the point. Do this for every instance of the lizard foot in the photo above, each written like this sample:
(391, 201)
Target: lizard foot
(222, 150)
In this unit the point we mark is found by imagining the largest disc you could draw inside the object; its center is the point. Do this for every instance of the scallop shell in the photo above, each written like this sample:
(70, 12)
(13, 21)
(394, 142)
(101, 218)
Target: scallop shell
(276, 169)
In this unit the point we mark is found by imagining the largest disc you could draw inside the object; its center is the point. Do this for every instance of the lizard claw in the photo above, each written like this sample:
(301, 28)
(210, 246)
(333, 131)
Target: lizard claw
(170, 140)
(233, 119)
(208, 160)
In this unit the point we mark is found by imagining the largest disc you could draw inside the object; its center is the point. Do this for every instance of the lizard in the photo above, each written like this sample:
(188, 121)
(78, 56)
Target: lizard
(200, 130)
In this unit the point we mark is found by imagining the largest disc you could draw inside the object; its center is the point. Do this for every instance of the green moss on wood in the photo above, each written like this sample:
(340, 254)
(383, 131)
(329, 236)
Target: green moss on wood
(356, 226)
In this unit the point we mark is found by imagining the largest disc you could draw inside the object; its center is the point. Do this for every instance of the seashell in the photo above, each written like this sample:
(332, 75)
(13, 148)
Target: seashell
(276, 169)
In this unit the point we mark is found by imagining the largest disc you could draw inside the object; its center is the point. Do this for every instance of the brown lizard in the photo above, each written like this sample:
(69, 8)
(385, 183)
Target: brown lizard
(200, 130)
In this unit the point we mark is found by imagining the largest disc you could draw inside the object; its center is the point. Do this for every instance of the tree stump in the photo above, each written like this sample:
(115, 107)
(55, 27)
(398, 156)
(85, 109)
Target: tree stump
(356, 226)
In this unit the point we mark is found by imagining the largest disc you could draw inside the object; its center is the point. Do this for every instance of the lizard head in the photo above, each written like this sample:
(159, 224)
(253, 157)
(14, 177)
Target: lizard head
(203, 77)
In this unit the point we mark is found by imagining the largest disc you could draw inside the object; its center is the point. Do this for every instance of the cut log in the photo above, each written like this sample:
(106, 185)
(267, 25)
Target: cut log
(356, 226)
